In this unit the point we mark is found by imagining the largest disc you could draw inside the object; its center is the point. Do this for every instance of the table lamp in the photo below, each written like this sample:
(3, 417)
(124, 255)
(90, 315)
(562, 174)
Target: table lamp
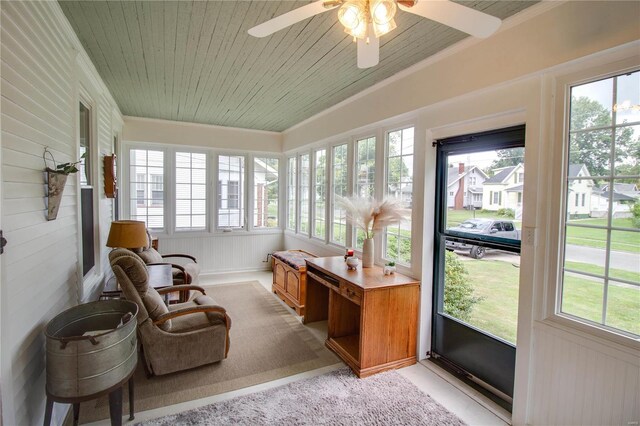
(129, 234)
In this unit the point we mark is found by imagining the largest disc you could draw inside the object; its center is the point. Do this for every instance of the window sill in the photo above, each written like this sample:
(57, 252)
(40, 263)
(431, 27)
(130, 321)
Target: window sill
(216, 233)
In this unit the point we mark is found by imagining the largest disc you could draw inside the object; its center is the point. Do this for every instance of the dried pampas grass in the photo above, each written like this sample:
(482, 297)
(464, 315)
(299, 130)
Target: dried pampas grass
(372, 215)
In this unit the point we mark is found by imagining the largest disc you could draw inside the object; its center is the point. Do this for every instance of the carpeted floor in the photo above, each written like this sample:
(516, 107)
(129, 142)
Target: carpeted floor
(267, 343)
(336, 398)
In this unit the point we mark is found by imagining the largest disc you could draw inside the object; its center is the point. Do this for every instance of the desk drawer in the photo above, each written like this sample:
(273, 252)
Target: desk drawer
(351, 292)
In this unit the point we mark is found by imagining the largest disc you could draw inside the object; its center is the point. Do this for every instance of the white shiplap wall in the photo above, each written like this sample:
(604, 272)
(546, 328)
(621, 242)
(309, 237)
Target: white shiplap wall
(579, 381)
(42, 64)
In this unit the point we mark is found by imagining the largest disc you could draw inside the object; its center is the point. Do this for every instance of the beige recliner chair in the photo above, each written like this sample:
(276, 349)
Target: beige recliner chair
(177, 337)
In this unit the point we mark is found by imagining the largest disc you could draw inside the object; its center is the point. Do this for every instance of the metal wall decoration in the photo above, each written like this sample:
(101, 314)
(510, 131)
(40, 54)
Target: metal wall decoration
(56, 180)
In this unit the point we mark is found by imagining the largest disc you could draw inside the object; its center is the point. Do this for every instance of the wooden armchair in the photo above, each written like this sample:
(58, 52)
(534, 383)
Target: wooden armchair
(175, 337)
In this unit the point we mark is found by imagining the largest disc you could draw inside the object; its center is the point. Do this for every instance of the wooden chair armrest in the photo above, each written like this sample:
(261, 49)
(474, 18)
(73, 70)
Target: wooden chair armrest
(193, 310)
(188, 256)
(180, 287)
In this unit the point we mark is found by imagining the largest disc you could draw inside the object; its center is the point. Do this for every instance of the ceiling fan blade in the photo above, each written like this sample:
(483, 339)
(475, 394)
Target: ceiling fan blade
(290, 18)
(368, 53)
(462, 18)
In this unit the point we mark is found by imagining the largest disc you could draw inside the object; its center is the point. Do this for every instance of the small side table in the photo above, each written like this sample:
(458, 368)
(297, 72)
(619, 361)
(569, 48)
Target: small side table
(160, 276)
(115, 403)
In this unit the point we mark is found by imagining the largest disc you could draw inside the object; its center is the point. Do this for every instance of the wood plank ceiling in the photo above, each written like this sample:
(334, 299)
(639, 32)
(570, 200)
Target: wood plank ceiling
(194, 61)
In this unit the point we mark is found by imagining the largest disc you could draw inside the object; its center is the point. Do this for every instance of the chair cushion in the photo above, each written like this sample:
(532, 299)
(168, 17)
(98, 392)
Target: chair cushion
(154, 303)
(151, 255)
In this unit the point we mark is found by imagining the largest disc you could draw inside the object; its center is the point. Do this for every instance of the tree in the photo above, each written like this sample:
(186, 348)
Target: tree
(593, 147)
(459, 297)
(506, 158)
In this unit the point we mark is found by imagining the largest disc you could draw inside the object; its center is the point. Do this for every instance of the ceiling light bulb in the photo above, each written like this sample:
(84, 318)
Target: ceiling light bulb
(351, 15)
(382, 29)
(358, 32)
(382, 11)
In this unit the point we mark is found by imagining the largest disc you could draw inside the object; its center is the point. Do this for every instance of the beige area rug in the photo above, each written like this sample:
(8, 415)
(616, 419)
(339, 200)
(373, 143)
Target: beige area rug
(267, 343)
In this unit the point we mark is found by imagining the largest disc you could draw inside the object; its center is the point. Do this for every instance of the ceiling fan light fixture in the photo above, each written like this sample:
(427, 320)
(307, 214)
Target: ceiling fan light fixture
(382, 11)
(352, 15)
(382, 29)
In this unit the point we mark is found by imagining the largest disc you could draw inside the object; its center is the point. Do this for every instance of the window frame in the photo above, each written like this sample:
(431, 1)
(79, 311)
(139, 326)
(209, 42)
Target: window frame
(243, 198)
(299, 188)
(385, 185)
(314, 184)
(331, 193)
(208, 171)
(288, 194)
(559, 114)
(251, 195)
(127, 195)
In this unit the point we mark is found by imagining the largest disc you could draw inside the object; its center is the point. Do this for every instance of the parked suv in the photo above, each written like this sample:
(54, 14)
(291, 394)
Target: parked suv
(493, 227)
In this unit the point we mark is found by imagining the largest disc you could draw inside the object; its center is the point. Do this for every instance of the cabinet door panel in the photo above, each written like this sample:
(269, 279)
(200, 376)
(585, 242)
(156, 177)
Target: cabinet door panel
(293, 285)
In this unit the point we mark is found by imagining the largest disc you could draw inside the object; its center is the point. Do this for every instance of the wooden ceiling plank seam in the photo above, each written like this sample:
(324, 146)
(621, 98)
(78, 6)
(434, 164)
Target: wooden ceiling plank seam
(132, 25)
(133, 83)
(195, 36)
(185, 12)
(221, 65)
(211, 61)
(287, 38)
(203, 55)
(102, 49)
(170, 31)
(295, 65)
(145, 24)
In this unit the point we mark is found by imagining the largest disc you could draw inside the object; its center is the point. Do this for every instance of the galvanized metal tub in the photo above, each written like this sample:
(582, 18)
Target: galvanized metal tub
(79, 366)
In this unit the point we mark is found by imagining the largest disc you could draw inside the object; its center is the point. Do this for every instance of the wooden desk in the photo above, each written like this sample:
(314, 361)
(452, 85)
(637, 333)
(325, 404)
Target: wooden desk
(372, 317)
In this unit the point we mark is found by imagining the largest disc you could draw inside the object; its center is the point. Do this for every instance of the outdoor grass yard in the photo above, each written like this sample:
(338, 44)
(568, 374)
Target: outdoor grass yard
(497, 283)
(589, 237)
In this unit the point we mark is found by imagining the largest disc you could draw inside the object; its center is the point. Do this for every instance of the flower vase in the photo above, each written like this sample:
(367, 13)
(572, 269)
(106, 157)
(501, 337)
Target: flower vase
(367, 253)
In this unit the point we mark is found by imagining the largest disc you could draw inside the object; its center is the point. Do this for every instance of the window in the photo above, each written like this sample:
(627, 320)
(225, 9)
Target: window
(191, 190)
(497, 197)
(319, 193)
(451, 193)
(147, 189)
(291, 193)
(400, 185)
(577, 200)
(600, 276)
(230, 191)
(339, 188)
(265, 192)
(583, 199)
(305, 183)
(365, 176)
(86, 191)
(520, 177)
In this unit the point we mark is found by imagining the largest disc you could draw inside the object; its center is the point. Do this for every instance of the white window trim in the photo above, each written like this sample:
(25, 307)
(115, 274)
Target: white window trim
(381, 242)
(174, 209)
(560, 86)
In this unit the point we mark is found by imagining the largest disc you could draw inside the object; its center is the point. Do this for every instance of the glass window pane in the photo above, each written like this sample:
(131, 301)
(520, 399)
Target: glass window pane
(339, 216)
(265, 201)
(146, 194)
(304, 187)
(623, 306)
(190, 185)
(230, 191)
(291, 193)
(601, 280)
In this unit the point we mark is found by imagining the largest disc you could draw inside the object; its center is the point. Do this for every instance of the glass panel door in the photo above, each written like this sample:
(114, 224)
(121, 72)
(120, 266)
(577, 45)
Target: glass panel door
(478, 226)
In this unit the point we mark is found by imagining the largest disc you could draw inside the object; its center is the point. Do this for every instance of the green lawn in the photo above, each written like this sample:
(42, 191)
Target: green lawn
(590, 237)
(497, 282)
(599, 270)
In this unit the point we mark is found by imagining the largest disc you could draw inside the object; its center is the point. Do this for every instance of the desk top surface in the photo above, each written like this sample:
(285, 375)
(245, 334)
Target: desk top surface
(367, 278)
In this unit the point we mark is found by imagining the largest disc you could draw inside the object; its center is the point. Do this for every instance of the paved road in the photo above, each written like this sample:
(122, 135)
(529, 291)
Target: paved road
(619, 259)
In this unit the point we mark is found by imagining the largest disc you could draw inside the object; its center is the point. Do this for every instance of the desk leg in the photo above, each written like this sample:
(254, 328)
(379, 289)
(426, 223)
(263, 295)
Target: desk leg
(131, 410)
(47, 412)
(115, 407)
(76, 413)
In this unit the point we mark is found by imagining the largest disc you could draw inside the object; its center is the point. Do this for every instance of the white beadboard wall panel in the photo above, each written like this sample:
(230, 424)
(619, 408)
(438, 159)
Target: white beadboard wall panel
(317, 247)
(230, 252)
(579, 382)
(40, 59)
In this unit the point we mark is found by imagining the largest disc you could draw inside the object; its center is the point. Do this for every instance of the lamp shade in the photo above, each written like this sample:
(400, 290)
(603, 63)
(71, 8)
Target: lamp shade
(127, 234)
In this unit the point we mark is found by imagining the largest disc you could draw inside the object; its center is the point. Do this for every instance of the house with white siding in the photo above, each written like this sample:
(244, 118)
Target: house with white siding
(208, 125)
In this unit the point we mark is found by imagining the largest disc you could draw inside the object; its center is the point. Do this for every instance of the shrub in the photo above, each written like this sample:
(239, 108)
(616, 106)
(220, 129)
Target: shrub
(459, 297)
(506, 213)
(635, 211)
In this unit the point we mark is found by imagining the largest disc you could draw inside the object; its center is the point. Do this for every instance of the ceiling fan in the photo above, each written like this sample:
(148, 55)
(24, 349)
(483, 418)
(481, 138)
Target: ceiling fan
(368, 20)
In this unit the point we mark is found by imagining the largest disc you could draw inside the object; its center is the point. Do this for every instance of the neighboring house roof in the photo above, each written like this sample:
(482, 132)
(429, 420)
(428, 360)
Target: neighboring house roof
(622, 187)
(517, 188)
(616, 196)
(501, 176)
(476, 190)
(453, 176)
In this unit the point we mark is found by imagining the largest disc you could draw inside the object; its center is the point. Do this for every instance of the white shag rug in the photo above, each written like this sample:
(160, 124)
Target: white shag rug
(336, 398)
